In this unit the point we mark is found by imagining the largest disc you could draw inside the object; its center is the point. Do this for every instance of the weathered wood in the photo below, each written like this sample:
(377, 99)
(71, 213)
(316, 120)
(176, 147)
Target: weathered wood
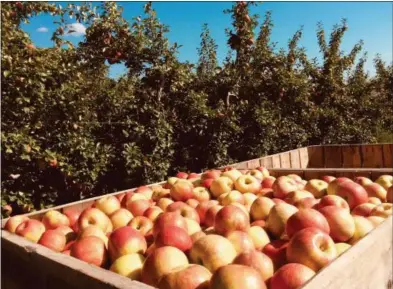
(285, 161)
(304, 157)
(266, 162)
(387, 155)
(276, 161)
(295, 159)
(372, 156)
(351, 157)
(332, 156)
(367, 264)
(316, 157)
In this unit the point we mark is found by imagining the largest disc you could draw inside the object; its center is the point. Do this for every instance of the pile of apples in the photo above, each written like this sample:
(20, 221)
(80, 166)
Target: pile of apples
(223, 229)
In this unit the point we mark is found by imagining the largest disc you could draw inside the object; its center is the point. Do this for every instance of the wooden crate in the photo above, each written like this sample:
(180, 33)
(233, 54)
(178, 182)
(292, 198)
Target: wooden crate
(327, 156)
(26, 265)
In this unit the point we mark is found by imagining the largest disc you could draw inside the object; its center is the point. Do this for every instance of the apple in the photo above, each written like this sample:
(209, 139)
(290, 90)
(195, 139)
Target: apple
(376, 190)
(13, 222)
(68, 233)
(363, 209)
(91, 250)
(341, 248)
(207, 183)
(328, 179)
(182, 191)
(383, 210)
(202, 209)
(333, 200)
(221, 186)
(73, 216)
(332, 186)
(249, 199)
(96, 231)
(277, 252)
(268, 193)
(120, 218)
(127, 196)
(210, 215)
(312, 248)
(362, 227)
(260, 208)
(353, 193)
(231, 218)
(175, 237)
(291, 276)
(231, 197)
(161, 262)
(297, 195)
(164, 203)
(144, 190)
(192, 226)
(53, 219)
(137, 196)
(283, 186)
(67, 252)
(363, 181)
(257, 260)
(264, 170)
(190, 276)
(259, 237)
(278, 217)
(259, 223)
(201, 194)
(306, 218)
(108, 204)
(256, 174)
(126, 240)
(30, 229)
(389, 195)
(316, 187)
(120, 197)
(211, 174)
(159, 194)
(385, 181)
(213, 252)
(94, 216)
(236, 276)
(182, 175)
(307, 203)
(267, 182)
(375, 220)
(341, 223)
(129, 266)
(295, 177)
(184, 210)
(141, 224)
(197, 236)
(374, 200)
(138, 207)
(169, 219)
(247, 184)
(241, 241)
(152, 213)
(233, 174)
(53, 240)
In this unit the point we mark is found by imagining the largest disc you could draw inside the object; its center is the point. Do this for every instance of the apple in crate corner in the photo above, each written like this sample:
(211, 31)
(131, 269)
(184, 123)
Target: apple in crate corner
(213, 252)
(383, 210)
(341, 248)
(31, 230)
(190, 276)
(129, 266)
(14, 222)
(291, 276)
(236, 276)
(161, 262)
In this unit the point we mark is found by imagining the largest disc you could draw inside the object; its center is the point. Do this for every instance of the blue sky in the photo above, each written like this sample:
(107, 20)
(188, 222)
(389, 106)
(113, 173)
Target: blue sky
(370, 21)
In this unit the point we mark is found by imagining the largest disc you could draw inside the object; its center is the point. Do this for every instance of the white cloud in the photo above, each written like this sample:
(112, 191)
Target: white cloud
(75, 29)
(42, 29)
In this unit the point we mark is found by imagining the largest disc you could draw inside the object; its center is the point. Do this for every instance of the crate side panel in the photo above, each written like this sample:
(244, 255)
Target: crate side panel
(388, 155)
(295, 159)
(315, 156)
(304, 157)
(351, 157)
(332, 156)
(372, 156)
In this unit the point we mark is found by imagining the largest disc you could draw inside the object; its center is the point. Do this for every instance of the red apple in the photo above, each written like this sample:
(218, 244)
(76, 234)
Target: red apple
(211, 174)
(230, 218)
(376, 190)
(142, 224)
(68, 233)
(374, 201)
(277, 252)
(94, 231)
(267, 182)
(202, 209)
(138, 207)
(312, 248)
(297, 195)
(108, 204)
(363, 209)
(182, 175)
(353, 193)
(341, 223)
(201, 194)
(182, 191)
(73, 216)
(241, 241)
(256, 174)
(257, 260)
(283, 186)
(31, 230)
(161, 262)
(210, 215)
(221, 186)
(93, 216)
(186, 277)
(207, 183)
(169, 219)
(126, 240)
(152, 213)
(306, 218)
(260, 208)
(307, 203)
(184, 210)
(120, 218)
(363, 181)
(54, 219)
(91, 250)
(291, 276)
(316, 187)
(328, 179)
(13, 222)
(264, 170)
(278, 218)
(53, 239)
(332, 187)
(164, 203)
(383, 210)
(333, 200)
(192, 203)
(175, 237)
(247, 184)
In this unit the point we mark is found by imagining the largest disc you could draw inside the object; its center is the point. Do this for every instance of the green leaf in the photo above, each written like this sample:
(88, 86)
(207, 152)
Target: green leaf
(6, 73)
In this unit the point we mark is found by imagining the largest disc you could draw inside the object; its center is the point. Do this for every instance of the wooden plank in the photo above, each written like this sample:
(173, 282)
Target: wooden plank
(266, 162)
(316, 158)
(351, 157)
(372, 156)
(295, 159)
(367, 264)
(285, 160)
(387, 155)
(332, 157)
(276, 161)
(303, 157)
(253, 164)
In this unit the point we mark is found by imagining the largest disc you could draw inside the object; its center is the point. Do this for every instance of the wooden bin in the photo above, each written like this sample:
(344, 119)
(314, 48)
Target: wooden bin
(368, 264)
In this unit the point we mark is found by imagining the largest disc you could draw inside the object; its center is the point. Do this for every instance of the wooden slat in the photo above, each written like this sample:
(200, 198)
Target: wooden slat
(266, 162)
(388, 155)
(252, 164)
(295, 159)
(276, 161)
(351, 157)
(304, 157)
(285, 161)
(316, 158)
(367, 264)
(372, 156)
(332, 157)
